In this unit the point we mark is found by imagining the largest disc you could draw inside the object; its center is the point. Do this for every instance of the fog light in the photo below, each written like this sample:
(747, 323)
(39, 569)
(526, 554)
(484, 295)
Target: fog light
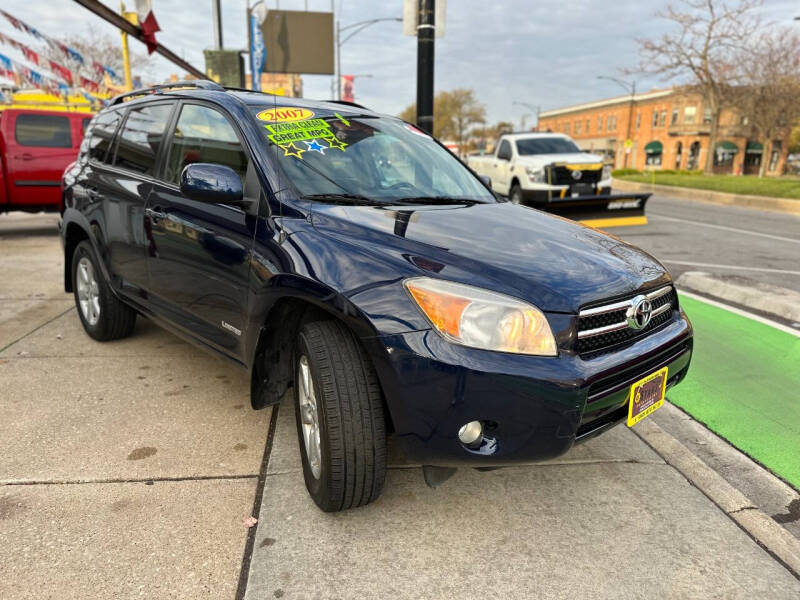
(471, 433)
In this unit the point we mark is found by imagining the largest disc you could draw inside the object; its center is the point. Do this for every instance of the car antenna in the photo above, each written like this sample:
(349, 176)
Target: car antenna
(282, 232)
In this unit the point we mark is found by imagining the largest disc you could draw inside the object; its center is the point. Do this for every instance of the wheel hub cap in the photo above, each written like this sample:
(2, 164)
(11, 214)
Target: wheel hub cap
(309, 417)
(88, 291)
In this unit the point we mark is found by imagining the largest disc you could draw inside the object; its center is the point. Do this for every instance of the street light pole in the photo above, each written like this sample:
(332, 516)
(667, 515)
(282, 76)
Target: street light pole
(534, 107)
(631, 87)
(361, 25)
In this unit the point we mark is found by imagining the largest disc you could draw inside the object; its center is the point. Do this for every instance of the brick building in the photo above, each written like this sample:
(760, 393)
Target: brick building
(669, 130)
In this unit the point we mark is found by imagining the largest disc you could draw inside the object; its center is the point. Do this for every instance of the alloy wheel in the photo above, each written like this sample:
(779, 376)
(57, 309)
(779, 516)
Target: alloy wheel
(309, 417)
(88, 291)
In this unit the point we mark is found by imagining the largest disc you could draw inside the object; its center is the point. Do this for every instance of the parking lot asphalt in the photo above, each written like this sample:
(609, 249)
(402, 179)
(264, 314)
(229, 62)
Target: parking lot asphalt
(724, 240)
(127, 469)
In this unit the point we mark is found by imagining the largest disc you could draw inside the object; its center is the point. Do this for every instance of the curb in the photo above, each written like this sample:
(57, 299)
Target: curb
(781, 205)
(775, 539)
(761, 297)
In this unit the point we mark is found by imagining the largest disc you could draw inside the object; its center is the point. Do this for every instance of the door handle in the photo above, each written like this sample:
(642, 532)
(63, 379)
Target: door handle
(155, 214)
(26, 156)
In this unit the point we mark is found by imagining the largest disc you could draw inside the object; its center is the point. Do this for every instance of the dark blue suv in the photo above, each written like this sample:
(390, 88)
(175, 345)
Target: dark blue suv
(351, 257)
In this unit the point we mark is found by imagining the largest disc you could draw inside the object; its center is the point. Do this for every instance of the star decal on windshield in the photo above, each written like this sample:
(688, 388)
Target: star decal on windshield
(291, 150)
(335, 143)
(315, 146)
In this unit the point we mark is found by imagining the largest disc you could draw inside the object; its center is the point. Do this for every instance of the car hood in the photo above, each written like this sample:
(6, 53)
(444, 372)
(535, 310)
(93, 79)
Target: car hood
(557, 264)
(571, 158)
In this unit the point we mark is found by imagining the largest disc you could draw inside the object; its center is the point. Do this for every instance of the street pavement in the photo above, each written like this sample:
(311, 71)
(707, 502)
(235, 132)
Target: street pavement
(127, 469)
(724, 240)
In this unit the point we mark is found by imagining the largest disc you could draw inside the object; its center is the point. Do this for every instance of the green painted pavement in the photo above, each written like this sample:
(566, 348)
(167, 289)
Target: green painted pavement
(744, 384)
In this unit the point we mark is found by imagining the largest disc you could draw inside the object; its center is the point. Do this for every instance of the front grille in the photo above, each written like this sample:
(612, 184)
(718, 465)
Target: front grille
(609, 384)
(561, 175)
(601, 328)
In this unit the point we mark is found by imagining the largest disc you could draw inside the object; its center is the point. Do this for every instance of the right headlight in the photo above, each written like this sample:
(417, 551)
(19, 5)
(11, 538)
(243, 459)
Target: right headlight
(482, 319)
(535, 174)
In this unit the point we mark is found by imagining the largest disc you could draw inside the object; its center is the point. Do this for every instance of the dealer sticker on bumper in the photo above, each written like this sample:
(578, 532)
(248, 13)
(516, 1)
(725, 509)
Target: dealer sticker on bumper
(647, 396)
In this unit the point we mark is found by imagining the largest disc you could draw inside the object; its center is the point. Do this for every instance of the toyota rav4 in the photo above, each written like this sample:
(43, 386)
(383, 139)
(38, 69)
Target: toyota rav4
(350, 257)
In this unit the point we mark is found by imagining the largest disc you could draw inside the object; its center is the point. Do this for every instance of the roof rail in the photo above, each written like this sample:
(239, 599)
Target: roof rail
(346, 103)
(202, 84)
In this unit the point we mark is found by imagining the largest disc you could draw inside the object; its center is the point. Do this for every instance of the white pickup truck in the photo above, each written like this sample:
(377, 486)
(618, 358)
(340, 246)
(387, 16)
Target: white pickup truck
(548, 171)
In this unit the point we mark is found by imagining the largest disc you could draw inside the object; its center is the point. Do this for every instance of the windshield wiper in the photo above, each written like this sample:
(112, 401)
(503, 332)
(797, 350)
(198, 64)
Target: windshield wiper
(345, 198)
(436, 200)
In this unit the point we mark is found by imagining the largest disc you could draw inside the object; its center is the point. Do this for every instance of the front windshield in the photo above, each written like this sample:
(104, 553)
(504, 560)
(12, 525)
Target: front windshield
(546, 145)
(327, 153)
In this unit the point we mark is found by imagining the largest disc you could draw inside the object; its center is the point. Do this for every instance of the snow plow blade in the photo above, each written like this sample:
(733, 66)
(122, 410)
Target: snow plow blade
(613, 210)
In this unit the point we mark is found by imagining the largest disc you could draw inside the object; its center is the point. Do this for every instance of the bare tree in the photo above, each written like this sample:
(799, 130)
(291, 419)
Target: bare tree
(490, 133)
(701, 49)
(454, 114)
(768, 90)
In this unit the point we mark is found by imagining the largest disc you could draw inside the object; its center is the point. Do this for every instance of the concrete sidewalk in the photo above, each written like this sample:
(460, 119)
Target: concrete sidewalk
(128, 466)
(609, 520)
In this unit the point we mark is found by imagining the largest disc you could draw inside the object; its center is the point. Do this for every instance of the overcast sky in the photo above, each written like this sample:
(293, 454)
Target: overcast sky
(542, 52)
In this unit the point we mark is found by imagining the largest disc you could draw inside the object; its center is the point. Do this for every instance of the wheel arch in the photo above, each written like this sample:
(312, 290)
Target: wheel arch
(272, 371)
(74, 234)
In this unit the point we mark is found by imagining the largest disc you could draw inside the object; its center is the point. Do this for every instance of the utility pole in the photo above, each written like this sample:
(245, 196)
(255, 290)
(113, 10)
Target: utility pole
(126, 55)
(426, 31)
(630, 87)
(217, 15)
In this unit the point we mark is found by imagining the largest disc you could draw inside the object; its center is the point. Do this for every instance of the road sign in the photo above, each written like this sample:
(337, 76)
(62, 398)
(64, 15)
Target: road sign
(628, 143)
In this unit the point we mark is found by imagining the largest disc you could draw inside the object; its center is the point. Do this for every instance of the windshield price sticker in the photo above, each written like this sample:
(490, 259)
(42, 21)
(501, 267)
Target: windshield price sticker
(298, 137)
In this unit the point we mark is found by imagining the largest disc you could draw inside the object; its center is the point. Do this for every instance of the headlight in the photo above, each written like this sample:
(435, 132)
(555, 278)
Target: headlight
(535, 174)
(482, 319)
(606, 172)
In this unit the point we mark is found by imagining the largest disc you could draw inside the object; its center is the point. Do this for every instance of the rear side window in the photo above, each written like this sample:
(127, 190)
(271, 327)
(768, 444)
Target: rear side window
(102, 133)
(45, 131)
(204, 135)
(140, 138)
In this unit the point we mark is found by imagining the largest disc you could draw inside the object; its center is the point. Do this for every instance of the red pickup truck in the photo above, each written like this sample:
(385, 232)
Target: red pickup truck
(35, 148)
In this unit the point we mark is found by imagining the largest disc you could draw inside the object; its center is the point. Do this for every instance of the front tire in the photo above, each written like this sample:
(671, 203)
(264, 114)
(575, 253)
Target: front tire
(515, 195)
(339, 415)
(103, 315)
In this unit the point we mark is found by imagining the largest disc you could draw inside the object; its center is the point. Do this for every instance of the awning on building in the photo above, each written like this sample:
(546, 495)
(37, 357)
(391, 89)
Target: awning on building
(754, 148)
(726, 147)
(654, 147)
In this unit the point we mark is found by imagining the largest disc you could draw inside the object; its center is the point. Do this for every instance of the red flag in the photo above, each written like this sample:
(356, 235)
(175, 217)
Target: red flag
(63, 71)
(347, 88)
(148, 23)
(29, 54)
(98, 68)
(90, 85)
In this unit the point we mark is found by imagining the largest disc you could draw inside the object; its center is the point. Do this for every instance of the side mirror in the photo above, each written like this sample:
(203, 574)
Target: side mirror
(486, 179)
(208, 182)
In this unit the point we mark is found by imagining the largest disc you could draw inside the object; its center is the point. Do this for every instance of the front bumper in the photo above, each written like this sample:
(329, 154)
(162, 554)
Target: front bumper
(535, 193)
(534, 408)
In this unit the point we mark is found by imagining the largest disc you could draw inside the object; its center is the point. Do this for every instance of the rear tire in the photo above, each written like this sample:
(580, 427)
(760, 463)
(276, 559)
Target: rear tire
(104, 316)
(338, 406)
